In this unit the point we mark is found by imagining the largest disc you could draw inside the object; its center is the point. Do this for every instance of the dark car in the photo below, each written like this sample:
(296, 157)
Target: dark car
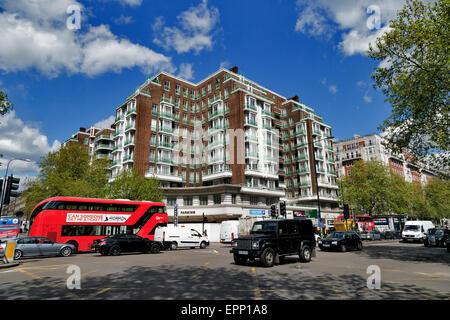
(448, 246)
(272, 239)
(390, 235)
(437, 238)
(116, 244)
(342, 241)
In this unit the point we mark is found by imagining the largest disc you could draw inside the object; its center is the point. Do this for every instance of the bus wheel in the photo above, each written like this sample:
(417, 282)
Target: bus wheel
(115, 250)
(173, 246)
(74, 243)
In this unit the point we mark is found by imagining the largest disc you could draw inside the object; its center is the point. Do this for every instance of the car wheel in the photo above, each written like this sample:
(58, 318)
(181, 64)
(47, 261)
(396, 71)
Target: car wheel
(203, 245)
(66, 251)
(115, 250)
(155, 248)
(343, 248)
(268, 257)
(239, 260)
(173, 246)
(18, 254)
(425, 243)
(305, 254)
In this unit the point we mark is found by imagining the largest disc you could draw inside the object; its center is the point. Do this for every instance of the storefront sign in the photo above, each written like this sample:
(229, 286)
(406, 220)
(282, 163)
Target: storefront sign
(187, 212)
(257, 212)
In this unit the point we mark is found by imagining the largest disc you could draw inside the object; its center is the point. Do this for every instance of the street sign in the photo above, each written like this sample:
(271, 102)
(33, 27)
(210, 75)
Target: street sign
(175, 215)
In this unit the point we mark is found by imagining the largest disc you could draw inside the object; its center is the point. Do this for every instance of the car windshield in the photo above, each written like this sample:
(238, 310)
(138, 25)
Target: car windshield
(439, 232)
(267, 226)
(412, 228)
(336, 235)
(431, 231)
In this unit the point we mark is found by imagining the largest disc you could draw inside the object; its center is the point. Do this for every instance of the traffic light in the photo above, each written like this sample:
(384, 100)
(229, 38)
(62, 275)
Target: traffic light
(346, 212)
(273, 210)
(283, 209)
(12, 184)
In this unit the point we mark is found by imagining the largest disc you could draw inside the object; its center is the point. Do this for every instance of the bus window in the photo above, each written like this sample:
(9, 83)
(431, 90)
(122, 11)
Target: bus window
(71, 207)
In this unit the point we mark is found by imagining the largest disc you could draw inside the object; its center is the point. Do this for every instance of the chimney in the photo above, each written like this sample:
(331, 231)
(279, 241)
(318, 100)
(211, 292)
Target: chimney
(295, 98)
(82, 129)
(235, 69)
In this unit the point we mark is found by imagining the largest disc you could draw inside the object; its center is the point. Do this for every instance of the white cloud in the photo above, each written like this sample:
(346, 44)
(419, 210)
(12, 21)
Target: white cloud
(225, 64)
(322, 18)
(38, 38)
(361, 84)
(106, 123)
(195, 33)
(333, 89)
(367, 98)
(186, 71)
(24, 141)
(123, 19)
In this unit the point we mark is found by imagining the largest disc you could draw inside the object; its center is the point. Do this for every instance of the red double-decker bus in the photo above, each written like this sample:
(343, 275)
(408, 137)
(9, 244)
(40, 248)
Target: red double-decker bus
(365, 223)
(80, 221)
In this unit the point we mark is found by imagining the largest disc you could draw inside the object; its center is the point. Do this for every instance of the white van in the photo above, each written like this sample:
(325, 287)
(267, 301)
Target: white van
(180, 237)
(416, 230)
(229, 230)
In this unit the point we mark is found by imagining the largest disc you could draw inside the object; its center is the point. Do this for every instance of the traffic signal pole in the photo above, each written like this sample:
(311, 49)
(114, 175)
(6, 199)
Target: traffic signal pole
(3, 193)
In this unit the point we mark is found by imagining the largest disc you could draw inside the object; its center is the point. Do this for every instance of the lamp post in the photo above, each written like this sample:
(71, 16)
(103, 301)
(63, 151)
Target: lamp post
(317, 185)
(2, 195)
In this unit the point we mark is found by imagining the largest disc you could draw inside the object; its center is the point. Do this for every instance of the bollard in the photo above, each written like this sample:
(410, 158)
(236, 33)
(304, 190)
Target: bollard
(9, 245)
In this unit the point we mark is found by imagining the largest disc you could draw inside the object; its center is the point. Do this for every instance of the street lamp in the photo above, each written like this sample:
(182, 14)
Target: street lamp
(2, 195)
(317, 185)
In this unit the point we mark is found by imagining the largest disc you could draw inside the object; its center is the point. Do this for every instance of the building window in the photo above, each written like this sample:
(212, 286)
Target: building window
(254, 201)
(171, 201)
(217, 199)
(233, 199)
(187, 201)
(203, 200)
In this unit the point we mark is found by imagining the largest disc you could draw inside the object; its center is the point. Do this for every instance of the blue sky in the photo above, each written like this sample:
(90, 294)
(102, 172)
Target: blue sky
(61, 79)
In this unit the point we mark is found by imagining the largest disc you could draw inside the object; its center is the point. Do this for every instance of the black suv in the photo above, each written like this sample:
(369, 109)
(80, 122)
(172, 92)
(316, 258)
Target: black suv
(272, 239)
(116, 244)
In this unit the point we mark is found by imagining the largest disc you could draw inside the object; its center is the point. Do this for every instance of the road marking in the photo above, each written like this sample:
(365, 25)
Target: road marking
(198, 273)
(256, 291)
(32, 275)
(97, 293)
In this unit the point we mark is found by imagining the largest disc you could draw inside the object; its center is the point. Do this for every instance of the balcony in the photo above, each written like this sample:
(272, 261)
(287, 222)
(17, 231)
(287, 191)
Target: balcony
(300, 132)
(217, 174)
(120, 118)
(250, 122)
(103, 156)
(166, 130)
(165, 100)
(117, 133)
(103, 137)
(130, 127)
(316, 132)
(251, 154)
(250, 107)
(162, 144)
(128, 143)
(164, 160)
(155, 113)
(102, 146)
(250, 138)
(267, 113)
(131, 111)
(128, 158)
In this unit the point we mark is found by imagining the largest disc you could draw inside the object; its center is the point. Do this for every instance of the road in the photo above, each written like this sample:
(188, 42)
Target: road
(408, 271)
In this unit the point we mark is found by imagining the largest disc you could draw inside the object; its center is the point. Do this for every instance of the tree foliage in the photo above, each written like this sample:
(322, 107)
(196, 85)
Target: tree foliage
(373, 189)
(5, 104)
(129, 184)
(414, 76)
(67, 172)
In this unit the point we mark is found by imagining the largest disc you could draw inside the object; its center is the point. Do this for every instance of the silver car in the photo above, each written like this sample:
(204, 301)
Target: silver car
(40, 246)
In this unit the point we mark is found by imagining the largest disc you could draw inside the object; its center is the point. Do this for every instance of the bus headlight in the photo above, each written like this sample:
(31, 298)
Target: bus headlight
(255, 244)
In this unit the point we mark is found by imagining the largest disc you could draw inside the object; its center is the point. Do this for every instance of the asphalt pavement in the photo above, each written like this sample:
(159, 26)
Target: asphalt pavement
(407, 271)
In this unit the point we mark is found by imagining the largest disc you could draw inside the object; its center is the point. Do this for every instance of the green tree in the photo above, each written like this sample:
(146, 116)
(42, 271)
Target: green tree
(67, 172)
(437, 195)
(129, 184)
(5, 104)
(414, 76)
(367, 189)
